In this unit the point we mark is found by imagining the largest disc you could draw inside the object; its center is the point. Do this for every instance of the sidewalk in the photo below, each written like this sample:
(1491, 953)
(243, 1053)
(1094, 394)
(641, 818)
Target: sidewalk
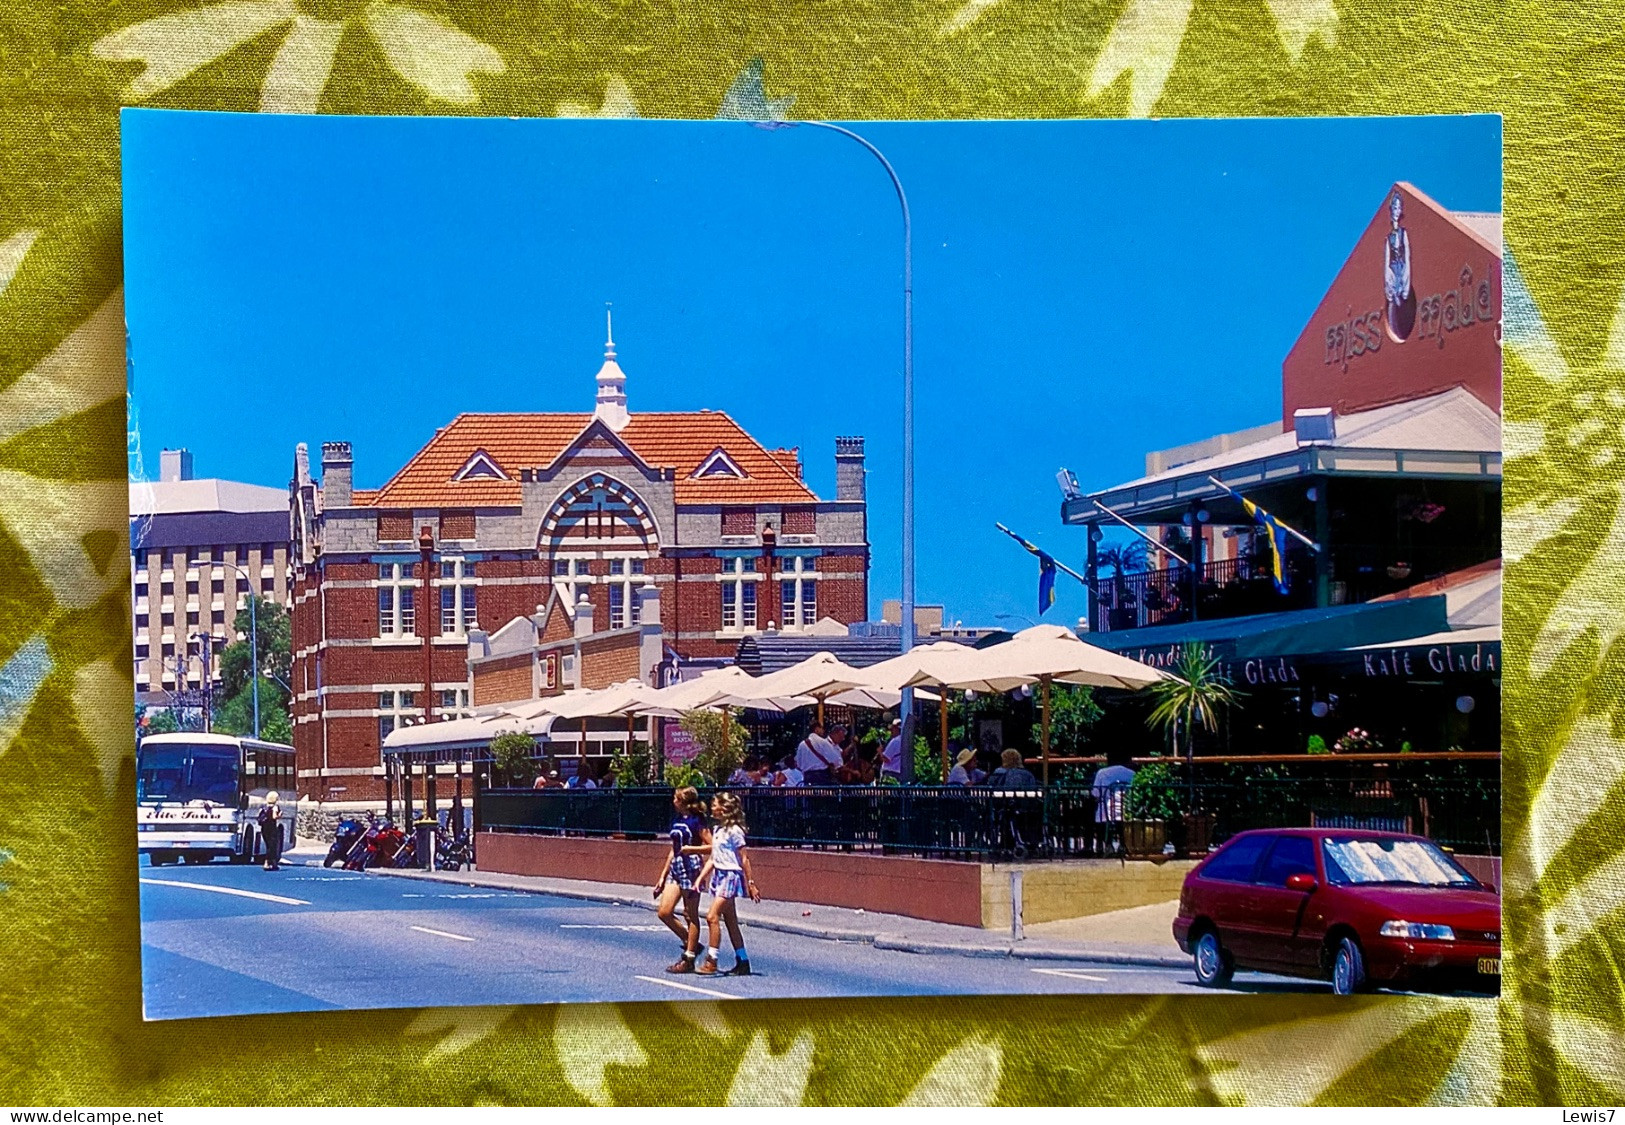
(1106, 939)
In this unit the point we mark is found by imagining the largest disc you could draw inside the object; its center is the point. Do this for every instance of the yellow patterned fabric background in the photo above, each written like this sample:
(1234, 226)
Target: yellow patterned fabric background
(69, 987)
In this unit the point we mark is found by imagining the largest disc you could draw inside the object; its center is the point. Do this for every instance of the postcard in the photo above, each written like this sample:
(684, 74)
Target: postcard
(590, 560)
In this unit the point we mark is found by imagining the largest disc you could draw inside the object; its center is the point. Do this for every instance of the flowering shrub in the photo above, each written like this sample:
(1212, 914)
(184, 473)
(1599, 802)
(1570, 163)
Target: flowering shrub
(1357, 741)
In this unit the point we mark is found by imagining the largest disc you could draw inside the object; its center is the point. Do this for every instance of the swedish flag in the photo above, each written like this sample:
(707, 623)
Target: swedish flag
(1046, 571)
(1277, 539)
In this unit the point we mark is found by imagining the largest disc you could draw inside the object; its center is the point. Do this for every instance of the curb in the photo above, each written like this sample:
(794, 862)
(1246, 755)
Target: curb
(896, 942)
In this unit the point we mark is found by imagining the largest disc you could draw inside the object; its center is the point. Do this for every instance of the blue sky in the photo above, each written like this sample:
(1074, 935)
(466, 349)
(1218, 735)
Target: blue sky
(1084, 292)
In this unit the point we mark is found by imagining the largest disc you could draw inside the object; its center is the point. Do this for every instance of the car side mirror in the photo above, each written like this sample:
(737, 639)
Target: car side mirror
(1302, 881)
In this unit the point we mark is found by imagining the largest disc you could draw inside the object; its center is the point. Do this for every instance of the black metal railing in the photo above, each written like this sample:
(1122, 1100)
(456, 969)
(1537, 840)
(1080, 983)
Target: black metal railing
(1060, 821)
(1242, 587)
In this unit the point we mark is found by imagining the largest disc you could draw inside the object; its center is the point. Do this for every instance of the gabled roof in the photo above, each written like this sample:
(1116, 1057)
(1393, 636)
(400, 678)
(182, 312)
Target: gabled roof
(676, 441)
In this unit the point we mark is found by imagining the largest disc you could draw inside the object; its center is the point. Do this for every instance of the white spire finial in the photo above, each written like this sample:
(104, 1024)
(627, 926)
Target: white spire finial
(611, 406)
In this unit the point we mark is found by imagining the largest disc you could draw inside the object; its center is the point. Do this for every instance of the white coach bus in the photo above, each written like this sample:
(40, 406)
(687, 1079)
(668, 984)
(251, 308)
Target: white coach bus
(198, 796)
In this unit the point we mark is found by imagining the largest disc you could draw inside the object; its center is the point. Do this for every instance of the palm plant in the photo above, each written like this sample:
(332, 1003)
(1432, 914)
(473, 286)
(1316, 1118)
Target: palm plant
(1122, 559)
(1195, 693)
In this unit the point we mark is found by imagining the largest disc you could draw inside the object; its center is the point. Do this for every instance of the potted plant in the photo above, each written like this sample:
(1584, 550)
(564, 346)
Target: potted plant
(1152, 801)
(1193, 695)
(514, 754)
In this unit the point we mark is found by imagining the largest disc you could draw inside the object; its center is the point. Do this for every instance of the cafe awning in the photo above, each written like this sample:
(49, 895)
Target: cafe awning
(1293, 633)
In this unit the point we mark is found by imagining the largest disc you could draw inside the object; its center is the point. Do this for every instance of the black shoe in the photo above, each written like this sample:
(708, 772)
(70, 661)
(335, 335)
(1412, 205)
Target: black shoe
(740, 969)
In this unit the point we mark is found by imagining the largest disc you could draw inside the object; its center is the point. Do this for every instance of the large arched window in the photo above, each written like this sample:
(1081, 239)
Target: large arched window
(599, 518)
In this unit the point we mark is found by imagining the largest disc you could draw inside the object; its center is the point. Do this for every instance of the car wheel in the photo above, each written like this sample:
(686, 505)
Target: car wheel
(1348, 968)
(1214, 965)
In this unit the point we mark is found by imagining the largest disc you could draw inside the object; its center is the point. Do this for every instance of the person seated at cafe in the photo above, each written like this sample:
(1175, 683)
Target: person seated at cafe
(788, 777)
(963, 764)
(857, 764)
(1012, 774)
(746, 773)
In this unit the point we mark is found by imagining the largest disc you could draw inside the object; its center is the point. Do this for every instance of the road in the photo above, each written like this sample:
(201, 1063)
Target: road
(227, 940)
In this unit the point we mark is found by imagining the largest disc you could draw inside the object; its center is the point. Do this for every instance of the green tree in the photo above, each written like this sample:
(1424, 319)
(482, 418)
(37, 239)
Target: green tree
(234, 706)
(715, 760)
(1194, 694)
(514, 753)
(158, 721)
(1072, 711)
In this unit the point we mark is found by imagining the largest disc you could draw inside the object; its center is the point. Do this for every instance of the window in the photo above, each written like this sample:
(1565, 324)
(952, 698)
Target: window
(141, 651)
(798, 593)
(141, 621)
(1292, 855)
(168, 619)
(457, 597)
(625, 580)
(140, 589)
(454, 702)
(738, 596)
(217, 617)
(218, 586)
(394, 708)
(1236, 861)
(396, 591)
(191, 586)
(191, 617)
(569, 575)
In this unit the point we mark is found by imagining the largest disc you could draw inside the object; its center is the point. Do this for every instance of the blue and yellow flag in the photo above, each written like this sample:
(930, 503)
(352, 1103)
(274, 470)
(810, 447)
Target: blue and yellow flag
(1277, 537)
(1046, 582)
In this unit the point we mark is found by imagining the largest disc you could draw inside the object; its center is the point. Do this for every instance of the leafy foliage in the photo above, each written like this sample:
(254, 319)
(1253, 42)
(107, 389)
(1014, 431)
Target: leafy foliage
(1072, 711)
(1317, 745)
(927, 763)
(514, 753)
(717, 758)
(234, 709)
(679, 774)
(635, 766)
(1153, 795)
(1194, 695)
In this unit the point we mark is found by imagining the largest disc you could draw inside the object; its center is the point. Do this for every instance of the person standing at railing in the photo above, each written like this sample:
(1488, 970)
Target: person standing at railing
(679, 880)
(817, 758)
(891, 758)
(1110, 783)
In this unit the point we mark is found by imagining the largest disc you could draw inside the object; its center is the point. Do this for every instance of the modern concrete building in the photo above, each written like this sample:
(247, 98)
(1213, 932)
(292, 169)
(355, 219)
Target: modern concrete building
(198, 548)
(499, 514)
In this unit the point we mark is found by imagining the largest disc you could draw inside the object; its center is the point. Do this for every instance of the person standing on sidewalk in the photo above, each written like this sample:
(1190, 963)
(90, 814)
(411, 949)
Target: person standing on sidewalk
(679, 875)
(729, 871)
(270, 822)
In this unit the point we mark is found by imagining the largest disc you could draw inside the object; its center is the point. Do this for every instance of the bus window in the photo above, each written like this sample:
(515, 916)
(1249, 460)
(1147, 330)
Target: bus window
(160, 773)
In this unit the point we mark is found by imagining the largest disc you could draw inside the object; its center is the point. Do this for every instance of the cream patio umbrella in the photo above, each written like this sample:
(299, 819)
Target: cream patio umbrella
(814, 679)
(889, 677)
(1043, 655)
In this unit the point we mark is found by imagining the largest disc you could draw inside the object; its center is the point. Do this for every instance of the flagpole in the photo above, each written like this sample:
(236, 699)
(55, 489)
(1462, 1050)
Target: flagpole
(1141, 534)
(1059, 565)
(1292, 531)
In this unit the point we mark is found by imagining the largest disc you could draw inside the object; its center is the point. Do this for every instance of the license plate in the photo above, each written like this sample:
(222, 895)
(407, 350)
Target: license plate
(1490, 965)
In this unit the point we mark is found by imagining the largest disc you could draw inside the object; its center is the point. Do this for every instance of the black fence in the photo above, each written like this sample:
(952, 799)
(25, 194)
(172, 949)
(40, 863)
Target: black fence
(1062, 821)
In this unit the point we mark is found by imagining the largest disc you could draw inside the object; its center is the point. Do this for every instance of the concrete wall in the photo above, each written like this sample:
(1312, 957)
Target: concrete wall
(1076, 889)
(935, 890)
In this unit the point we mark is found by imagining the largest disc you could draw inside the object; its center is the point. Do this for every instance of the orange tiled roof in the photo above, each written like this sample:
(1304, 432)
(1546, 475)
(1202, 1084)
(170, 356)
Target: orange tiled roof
(678, 441)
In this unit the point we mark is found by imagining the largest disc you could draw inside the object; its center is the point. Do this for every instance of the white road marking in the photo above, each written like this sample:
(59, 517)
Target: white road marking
(228, 891)
(626, 929)
(439, 933)
(1072, 974)
(690, 988)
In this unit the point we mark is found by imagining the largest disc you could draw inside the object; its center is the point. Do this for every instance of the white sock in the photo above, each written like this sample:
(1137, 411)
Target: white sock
(711, 953)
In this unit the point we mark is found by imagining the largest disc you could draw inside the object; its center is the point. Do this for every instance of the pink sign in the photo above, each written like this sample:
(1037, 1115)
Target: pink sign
(680, 745)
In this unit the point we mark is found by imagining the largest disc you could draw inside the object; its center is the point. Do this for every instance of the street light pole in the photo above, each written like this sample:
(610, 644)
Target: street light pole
(253, 643)
(906, 762)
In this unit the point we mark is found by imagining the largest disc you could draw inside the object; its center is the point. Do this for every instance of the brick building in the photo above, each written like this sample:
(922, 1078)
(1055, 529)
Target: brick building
(500, 514)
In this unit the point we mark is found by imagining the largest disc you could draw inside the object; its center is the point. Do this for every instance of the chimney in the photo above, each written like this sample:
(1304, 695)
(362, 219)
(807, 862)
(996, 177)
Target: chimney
(849, 470)
(175, 464)
(584, 616)
(338, 472)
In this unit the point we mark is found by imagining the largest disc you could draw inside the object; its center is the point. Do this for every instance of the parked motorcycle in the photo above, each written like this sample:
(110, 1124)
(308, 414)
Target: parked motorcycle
(454, 854)
(376, 847)
(350, 831)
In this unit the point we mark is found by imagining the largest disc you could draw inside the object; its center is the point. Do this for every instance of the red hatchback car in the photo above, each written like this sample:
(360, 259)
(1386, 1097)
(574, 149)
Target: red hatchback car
(1364, 909)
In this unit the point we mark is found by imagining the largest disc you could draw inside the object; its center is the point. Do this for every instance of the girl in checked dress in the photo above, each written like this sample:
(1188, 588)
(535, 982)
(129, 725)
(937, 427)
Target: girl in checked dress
(729, 873)
(679, 875)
